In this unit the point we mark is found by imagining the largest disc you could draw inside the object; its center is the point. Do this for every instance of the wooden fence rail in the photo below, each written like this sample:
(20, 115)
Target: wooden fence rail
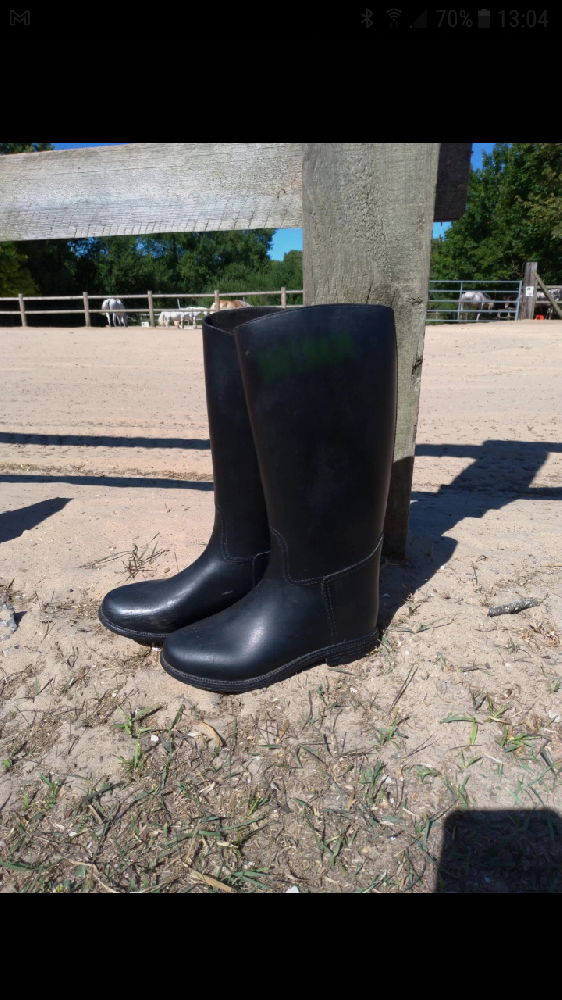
(143, 295)
(554, 305)
(88, 312)
(179, 187)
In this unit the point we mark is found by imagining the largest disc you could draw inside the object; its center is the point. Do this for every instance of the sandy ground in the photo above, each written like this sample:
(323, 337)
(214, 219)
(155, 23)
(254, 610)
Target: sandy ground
(104, 448)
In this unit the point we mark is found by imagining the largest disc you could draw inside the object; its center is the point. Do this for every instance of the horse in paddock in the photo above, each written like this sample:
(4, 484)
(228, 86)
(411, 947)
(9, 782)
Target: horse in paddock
(236, 304)
(179, 317)
(477, 302)
(115, 309)
(172, 317)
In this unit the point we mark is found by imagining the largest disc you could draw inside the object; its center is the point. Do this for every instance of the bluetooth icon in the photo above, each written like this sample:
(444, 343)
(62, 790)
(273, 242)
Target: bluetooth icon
(367, 18)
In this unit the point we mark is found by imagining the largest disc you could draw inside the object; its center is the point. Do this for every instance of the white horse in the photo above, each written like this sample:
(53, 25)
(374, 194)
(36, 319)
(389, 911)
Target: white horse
(172, 317)
(115, 308)
(179, 317)
(195, 313)
(475, 301)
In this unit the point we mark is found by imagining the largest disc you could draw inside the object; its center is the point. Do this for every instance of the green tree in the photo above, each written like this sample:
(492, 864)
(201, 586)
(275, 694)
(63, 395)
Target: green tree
(15, 276)
(271, 274)
(514, 215)
(175, 262)
(25, 147)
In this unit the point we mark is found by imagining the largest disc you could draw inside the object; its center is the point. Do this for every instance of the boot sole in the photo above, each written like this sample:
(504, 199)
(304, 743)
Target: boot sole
(144, 638)
(334, 656)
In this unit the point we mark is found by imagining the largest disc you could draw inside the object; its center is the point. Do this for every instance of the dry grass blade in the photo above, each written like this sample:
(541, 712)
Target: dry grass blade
(138, 563)
(404, 688)
(105, 559)
(212, 882)
(208, 731)
(100, 881)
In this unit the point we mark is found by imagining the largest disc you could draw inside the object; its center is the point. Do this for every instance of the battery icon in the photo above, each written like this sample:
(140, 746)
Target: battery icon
(484, 19)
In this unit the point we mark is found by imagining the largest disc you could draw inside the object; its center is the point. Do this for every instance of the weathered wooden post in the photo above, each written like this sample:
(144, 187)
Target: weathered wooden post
(22, 311)
(283, 298)
(529, 291)
(368, 212)
(87, 309)
(555, 308)
(217, 300)
(151, 309)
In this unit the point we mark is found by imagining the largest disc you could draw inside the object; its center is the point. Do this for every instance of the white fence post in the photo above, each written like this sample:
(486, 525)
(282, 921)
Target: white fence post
(87, 309)
(217, 300)
(22, 311)
(151, 309)
(283, 298)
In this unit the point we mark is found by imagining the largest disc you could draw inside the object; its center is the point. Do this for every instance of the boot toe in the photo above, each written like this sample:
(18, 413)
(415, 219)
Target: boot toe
(127, 612)
(193, 655)
(246, 646)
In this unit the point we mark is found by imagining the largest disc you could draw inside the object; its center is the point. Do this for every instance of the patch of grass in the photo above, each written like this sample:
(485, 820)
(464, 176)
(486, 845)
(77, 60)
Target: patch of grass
(541, 634)
(464, 718)
(131, 724)
(139, 561)
(134, 767)
(424, 773)
(334, 800)
(515, 744)
(386, 735)
(423, 627)
(458, 792)
(54, 788)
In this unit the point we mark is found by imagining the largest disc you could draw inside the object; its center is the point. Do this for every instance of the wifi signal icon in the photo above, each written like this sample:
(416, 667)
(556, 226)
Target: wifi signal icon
(394, 15)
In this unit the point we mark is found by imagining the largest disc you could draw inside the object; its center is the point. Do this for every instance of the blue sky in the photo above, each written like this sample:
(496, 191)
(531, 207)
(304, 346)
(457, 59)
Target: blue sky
(291, 239)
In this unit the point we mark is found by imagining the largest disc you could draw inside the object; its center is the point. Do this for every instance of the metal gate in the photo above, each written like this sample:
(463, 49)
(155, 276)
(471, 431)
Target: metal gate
(446, 304)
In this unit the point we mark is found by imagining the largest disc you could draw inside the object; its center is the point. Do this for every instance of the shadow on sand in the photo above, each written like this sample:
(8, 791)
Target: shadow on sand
(489, 484)
(501, 852)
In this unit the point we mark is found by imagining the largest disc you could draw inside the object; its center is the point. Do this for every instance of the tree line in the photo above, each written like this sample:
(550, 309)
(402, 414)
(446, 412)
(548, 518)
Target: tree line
(514, 215)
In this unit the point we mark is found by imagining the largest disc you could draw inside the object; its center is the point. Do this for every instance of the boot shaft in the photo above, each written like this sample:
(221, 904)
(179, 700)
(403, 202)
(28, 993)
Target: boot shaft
(321, 389)
(241, 526)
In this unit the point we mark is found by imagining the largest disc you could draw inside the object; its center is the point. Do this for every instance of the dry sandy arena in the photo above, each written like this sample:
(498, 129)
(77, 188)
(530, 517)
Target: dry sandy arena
(434, 765)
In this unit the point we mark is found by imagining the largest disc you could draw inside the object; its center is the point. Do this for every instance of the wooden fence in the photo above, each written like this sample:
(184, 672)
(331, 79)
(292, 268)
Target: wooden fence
(366, 209)
(151, 310)
(531, 283)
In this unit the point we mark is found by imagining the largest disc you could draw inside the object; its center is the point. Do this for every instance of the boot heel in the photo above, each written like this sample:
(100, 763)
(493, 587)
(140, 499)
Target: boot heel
(349, 652)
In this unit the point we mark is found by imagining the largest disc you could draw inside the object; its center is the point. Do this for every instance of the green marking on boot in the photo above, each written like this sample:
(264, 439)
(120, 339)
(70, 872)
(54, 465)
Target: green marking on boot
(305, 355)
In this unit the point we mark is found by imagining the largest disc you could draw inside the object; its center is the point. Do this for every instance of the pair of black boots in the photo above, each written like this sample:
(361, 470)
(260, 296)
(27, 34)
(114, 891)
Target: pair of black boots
(302, 413)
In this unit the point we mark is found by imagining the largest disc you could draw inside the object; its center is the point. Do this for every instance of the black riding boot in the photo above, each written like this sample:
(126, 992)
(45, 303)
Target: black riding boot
(238, 552)
(321, 389)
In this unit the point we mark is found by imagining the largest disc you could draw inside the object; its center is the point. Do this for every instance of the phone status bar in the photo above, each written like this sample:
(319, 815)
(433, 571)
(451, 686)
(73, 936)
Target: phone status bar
(462, 19)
